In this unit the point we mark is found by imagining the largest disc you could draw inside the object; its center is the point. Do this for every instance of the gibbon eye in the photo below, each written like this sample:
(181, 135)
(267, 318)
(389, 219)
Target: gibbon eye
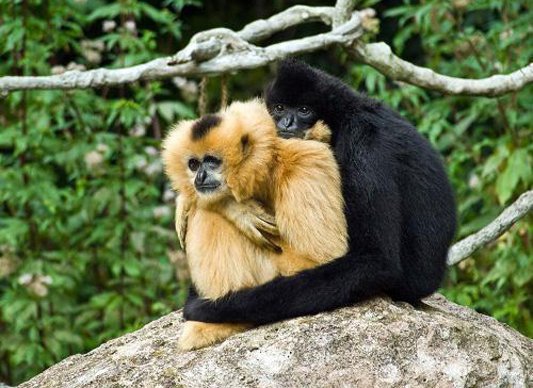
(304, 110)
(194, 164)
(279, 108)
(213, 160)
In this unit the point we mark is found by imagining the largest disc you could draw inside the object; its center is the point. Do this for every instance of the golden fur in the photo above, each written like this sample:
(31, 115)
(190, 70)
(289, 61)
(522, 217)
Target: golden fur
(297, 180)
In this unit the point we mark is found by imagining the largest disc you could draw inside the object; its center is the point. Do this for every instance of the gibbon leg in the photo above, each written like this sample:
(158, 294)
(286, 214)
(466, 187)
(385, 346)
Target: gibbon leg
(291, 263)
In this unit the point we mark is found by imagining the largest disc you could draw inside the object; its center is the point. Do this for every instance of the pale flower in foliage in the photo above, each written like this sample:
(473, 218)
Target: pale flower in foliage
(169, 195)
(131, 26)
(102, 148)
(152, 151)
(188, 88)
(93, 160)
(9, 262)
(92, 49)
(56, 70)
(161, 211)
(36, 284)
(141, 163)
(92, 56)
(474, 181)
(7, 266)
(139, 130)
(149, 168)
(460, 4)
(109, 25)
(75, 66)
(154, 168)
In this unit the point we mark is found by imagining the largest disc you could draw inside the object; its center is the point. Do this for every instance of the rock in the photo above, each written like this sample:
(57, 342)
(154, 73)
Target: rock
(376, 343)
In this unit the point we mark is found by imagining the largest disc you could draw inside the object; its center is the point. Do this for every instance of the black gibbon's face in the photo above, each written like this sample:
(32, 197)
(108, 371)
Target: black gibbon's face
(292, 121)
(206, 175)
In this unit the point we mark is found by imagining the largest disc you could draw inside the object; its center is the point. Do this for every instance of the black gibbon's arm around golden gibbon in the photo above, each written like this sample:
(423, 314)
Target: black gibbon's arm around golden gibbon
(233, 172)
(400, 206)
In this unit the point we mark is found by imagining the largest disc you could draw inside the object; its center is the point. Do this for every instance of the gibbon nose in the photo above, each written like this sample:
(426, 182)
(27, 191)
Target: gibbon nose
(287, 122)
(200, 177)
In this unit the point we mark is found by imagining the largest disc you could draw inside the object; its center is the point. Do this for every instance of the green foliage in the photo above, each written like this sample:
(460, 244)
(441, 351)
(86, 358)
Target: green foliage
(85, 215)
(85, 211)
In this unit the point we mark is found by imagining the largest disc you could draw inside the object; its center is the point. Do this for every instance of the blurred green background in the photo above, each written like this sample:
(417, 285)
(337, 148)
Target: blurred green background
(87, 248)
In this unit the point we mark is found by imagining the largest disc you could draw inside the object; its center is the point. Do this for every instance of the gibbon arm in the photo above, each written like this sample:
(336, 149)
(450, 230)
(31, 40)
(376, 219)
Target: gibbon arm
(309, 204)
(183, 206)
(249, 216)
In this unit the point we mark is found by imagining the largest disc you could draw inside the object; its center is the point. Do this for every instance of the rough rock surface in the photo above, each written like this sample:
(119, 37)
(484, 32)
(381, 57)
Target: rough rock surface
(376, 343)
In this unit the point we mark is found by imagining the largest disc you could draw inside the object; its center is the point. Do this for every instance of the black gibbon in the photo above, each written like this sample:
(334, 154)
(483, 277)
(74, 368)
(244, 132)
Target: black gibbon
(399, 206)
(232, 171)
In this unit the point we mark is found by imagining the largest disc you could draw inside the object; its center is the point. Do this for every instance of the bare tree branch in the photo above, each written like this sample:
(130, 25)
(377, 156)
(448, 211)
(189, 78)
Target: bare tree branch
(214, 51)
(381, 57)
(464, 248)
(262, 29)
(221, 50)
(343, 10)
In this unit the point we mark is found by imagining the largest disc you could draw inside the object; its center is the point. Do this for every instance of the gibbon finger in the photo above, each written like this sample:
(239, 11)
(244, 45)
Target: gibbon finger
(267, 218)
(263, 241)
(266, 227)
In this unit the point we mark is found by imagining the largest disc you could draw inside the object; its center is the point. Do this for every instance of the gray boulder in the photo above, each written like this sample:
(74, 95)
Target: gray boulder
(374, 344)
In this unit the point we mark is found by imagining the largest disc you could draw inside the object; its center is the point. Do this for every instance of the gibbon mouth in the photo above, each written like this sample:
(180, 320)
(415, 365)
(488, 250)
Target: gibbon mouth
(204, 189)
(286, 134)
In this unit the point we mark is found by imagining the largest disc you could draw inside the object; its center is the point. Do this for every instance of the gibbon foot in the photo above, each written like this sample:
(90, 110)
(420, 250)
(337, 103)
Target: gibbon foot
(198, 335)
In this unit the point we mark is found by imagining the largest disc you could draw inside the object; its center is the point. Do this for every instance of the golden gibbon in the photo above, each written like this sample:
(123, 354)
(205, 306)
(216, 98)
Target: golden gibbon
(254, 205)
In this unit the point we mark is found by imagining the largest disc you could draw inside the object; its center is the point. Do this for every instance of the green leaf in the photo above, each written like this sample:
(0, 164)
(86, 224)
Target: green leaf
(109, 11)
(171, 110)
(505, 184)
(520, 162)
(495, 160)
(517, 168)
(132, 267)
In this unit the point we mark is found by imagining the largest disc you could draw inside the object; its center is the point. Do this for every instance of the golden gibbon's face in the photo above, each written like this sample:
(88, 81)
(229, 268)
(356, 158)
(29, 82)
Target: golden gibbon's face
(221, 155)
(206, 173)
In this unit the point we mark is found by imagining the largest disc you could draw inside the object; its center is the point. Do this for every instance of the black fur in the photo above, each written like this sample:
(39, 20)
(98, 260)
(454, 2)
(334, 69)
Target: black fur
(399, 206)
(203, 125)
